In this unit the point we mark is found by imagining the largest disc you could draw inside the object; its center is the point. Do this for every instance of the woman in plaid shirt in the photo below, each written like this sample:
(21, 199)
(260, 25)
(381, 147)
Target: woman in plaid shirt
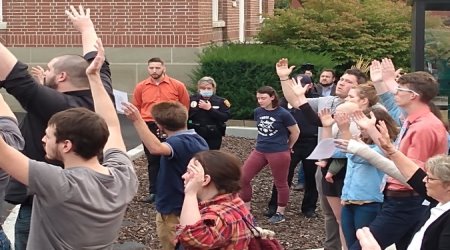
(211, 217)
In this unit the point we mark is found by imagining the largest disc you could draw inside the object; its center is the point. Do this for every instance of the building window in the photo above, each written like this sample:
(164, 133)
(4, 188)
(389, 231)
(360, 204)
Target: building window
(216, 22)
(2, 24)
(262, 9)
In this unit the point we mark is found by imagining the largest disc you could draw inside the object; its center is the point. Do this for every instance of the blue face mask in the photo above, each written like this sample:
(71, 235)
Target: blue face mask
(206, 93)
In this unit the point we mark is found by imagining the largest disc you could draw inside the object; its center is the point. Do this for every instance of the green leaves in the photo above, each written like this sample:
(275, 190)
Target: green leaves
(345, 29)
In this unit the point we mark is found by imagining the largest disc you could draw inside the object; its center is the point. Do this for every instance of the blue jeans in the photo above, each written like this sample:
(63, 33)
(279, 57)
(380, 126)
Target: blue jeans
(5, 244)
(22, 227)
(397, 221)
(354, 217)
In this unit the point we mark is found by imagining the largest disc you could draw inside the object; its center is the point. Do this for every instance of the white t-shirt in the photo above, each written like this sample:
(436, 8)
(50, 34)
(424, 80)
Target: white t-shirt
(79, 208)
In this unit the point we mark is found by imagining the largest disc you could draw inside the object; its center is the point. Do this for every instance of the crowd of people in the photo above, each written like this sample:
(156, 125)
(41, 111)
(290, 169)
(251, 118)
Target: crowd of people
(387, 182)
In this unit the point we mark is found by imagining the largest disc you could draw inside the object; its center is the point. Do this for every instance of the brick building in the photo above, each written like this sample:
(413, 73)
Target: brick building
(131, 30)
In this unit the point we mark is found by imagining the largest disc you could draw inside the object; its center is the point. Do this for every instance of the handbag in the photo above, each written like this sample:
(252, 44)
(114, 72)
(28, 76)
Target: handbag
(262, 239)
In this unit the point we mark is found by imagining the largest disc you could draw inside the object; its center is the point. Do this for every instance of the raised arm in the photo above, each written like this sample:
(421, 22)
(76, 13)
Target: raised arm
(13, 162)
(151, 142)
(8, 62)
(327, 121)
(102, 103)
(371, 156)
(82, 23)
(293, 92)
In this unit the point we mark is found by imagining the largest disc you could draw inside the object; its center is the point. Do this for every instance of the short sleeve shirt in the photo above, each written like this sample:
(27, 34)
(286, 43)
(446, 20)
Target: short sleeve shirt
(78, 208)
(169, 185)
(273, 133)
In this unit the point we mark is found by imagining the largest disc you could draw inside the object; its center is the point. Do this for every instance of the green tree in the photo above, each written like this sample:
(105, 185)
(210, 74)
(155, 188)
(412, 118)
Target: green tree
(344, 29)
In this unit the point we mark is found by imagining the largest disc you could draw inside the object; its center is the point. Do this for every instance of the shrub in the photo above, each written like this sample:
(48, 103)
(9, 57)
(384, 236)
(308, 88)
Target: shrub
(344, 29)
(240, 69)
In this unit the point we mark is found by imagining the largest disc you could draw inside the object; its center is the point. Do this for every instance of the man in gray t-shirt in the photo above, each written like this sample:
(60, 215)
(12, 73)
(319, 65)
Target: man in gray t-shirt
(81, 206)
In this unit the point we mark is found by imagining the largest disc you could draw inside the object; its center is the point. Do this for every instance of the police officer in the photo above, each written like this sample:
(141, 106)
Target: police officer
(209, 112)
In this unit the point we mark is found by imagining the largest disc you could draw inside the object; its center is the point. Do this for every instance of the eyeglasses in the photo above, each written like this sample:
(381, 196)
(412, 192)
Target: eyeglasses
(428, 179)
(406, 90)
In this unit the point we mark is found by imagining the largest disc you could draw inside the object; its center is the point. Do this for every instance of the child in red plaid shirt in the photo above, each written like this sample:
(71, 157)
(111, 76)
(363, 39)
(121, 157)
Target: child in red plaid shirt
(212, 211)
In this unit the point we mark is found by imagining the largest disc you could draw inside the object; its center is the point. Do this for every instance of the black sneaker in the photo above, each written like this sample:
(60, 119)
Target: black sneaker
(310, 214)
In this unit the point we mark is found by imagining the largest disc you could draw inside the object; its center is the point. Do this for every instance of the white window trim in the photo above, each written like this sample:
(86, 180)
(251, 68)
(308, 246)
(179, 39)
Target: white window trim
(260, 10)
(216, 23)
(2, 24)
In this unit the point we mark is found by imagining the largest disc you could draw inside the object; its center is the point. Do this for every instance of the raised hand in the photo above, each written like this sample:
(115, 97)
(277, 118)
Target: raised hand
(363, 121)
(96, 64)
(131, 112)
(376, 73)
(80, 18)
(342, 121)
(195, 177)
(38, 74)
(283, 69)
(326, 118)
(384, 139)
(388, 69)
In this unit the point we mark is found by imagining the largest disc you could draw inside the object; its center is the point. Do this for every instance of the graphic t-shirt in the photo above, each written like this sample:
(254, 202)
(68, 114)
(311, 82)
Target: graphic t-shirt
(273, 133)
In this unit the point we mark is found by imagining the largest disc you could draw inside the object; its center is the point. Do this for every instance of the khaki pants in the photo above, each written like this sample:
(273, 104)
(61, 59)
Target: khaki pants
(165, 228)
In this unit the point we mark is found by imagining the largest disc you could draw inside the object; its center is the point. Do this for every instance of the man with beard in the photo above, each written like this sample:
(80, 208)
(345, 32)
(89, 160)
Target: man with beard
(158, 87)
(65, 86)
(326, 86)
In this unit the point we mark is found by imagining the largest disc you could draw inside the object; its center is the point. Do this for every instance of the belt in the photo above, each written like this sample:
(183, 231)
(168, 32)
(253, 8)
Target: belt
(400, 193)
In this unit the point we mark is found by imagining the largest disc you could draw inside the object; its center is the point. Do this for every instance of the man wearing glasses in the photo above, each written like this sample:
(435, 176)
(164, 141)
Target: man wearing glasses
(422, 136)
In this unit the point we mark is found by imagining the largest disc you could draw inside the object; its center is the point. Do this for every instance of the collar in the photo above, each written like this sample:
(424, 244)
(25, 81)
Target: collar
(417, 114)
(150, 80)
(183, 132)
(222, 198)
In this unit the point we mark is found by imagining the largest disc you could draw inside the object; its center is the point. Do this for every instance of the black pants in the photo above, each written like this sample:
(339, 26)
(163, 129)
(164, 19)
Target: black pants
(153, 161)
(211, 134)
(302, 150)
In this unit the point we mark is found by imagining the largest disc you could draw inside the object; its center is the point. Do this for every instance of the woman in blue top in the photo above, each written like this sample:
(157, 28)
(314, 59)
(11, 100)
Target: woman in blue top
(362, 195)
(277, 133)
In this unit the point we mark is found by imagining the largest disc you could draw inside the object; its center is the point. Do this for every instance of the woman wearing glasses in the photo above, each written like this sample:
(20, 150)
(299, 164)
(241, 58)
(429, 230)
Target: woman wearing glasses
(432, 184)
(209, 112)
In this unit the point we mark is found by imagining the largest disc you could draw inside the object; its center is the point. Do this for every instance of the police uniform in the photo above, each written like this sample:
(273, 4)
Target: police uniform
(209, 124)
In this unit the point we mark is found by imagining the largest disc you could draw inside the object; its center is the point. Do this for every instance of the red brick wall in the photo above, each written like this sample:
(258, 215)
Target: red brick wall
(123, 23)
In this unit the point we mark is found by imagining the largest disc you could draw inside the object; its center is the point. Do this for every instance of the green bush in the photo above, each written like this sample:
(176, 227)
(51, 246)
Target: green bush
(344, 29)
(240, 69)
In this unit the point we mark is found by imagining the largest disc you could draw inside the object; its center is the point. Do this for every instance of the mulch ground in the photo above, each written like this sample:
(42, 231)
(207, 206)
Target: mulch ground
(297, 232)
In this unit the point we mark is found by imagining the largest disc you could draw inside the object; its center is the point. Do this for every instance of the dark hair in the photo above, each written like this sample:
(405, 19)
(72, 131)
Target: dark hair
(271, 92)
(170, 115)
(383, 115)
(422, 82)
(329, 70)
(86, 130)
(155, 59)
(367, 90)
(223, 168)
(360, 76)
(75, 67)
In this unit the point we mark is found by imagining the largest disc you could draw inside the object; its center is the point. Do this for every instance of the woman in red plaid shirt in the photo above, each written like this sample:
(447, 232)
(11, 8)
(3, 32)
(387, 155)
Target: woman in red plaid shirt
(211, 217)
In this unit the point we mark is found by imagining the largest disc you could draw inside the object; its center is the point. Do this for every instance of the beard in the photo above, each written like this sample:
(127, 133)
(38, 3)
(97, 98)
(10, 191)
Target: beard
(50, 82)
(157, 76)
(326, 84)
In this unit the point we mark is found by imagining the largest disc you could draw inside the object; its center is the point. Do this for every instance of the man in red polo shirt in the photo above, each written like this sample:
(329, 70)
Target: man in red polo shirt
(422, 136)
(158, 87)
